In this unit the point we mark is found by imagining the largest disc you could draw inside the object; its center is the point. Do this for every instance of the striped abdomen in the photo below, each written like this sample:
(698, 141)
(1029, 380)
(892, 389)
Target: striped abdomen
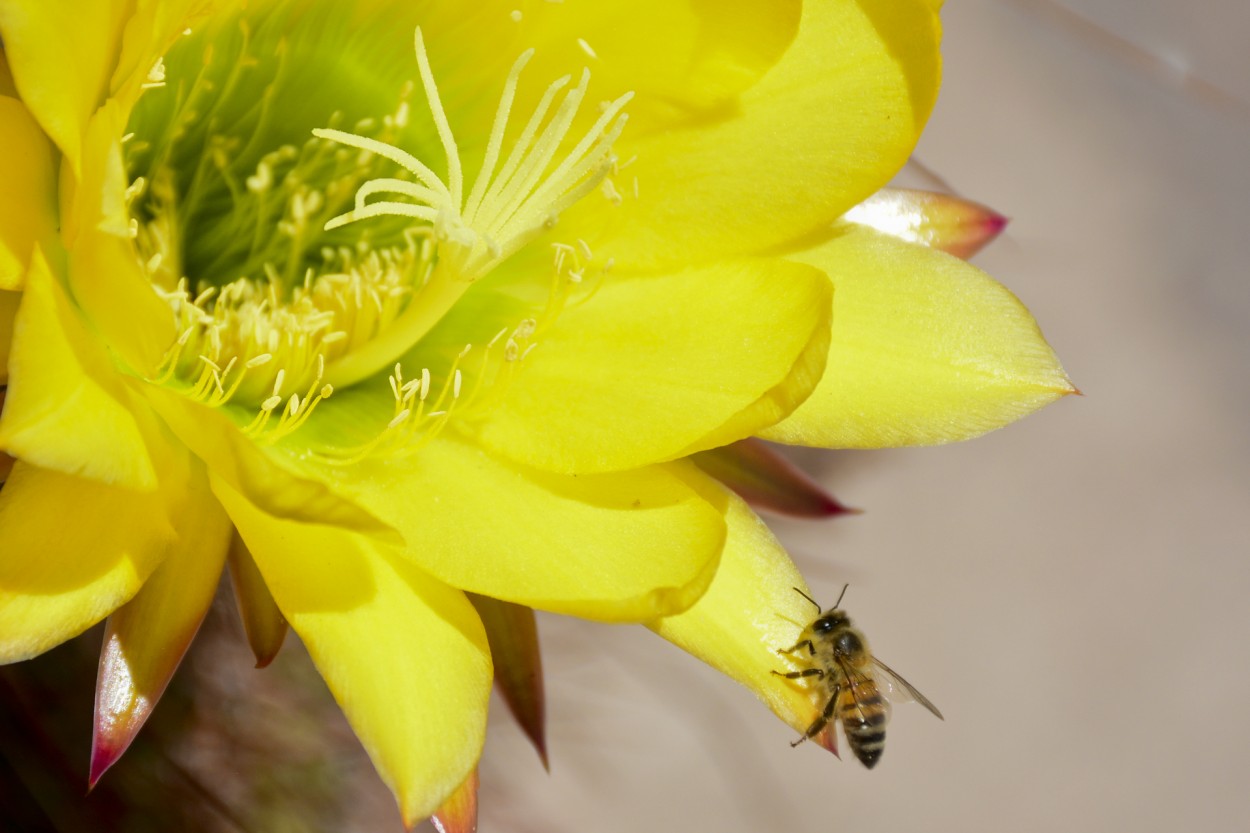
(863, 712)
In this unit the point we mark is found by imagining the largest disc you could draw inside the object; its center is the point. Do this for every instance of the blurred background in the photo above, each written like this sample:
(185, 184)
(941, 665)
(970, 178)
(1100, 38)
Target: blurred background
(1071, 591)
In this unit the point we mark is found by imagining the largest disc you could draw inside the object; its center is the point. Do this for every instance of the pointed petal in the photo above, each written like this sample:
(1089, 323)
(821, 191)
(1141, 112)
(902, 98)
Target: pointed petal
(766, 480)
(263, 622)
(404, 654)
(749, 613)
(622, 547)
(74, 550)
(926, 350)
(954, 225)
(513, 637)
(28, 212)
(146, 638)
(66, 408)
(653, 369)
(822, 130)
(459, 813)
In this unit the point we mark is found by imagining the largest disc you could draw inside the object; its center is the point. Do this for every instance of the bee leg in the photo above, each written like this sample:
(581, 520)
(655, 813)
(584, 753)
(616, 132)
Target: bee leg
(806, 672)
(821, 722)
(811, 649)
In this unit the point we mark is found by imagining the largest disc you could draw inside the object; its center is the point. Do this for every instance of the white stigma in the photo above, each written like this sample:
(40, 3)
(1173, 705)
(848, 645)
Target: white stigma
(508, 205)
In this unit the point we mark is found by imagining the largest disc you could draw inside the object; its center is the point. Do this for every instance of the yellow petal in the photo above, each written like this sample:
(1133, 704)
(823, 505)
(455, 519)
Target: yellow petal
(826, 127)
(677, 57)
(74, 550)
(67, 409)
(104, 274)
(62, 55)
(146, 638)
(749, 612)
(9, 302)
(926, 349)
(621, 547)
(654, 369)
(28, 210)
(270, 479)
(404, 654)
(263, 622)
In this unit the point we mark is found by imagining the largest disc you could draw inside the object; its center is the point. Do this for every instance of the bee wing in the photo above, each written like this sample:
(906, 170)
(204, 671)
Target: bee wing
(899, 690)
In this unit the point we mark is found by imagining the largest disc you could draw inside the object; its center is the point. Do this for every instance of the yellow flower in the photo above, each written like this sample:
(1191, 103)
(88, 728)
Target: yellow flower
(387, 322)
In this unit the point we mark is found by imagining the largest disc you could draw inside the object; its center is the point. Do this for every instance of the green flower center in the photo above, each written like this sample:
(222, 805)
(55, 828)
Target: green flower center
(299, 247)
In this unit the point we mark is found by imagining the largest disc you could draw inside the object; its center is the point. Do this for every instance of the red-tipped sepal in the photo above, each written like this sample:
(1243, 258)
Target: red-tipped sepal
(146, 638)
(766, 480)
(263, 623)
(459, 812)
(513, 638)
(956, 226)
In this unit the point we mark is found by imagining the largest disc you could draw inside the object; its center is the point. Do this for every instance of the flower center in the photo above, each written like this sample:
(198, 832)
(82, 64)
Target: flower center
(253, 234)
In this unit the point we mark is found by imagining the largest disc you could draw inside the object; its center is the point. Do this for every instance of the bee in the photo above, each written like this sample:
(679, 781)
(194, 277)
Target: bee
(857, 682)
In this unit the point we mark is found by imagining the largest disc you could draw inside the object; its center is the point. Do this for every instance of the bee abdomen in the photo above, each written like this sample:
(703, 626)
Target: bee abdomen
(863, 721)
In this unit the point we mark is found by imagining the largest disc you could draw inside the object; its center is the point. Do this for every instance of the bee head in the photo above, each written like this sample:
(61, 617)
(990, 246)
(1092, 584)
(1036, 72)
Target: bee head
(830, 622)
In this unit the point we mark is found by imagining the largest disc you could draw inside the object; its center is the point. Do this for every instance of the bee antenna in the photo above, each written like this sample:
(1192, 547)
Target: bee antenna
(840, 595)
(809, 598)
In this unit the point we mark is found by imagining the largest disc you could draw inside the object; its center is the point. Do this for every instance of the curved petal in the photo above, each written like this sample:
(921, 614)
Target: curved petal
(926, 349)
(28, 210)
(404, 654)
(621, 547)
(62, 573)
(826, 127)
(66, 407)
(62, 55)
(653, 369)
(146, 638)
(749, 612)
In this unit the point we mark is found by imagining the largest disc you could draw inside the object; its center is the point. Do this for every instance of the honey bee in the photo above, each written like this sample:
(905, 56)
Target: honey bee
(857, 682)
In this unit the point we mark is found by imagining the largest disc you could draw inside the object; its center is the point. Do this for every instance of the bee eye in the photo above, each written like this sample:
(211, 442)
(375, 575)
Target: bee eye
(822, 626)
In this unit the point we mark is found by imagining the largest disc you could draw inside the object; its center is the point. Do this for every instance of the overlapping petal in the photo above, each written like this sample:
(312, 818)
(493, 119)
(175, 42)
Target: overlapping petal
(66, 407)
(62, 56)
(827, 126)
(404, 654)
(622, 547)
(653, 369)
(105, 278)
(74, 550)
(926, 349)
(276, 482)
(28, 211)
